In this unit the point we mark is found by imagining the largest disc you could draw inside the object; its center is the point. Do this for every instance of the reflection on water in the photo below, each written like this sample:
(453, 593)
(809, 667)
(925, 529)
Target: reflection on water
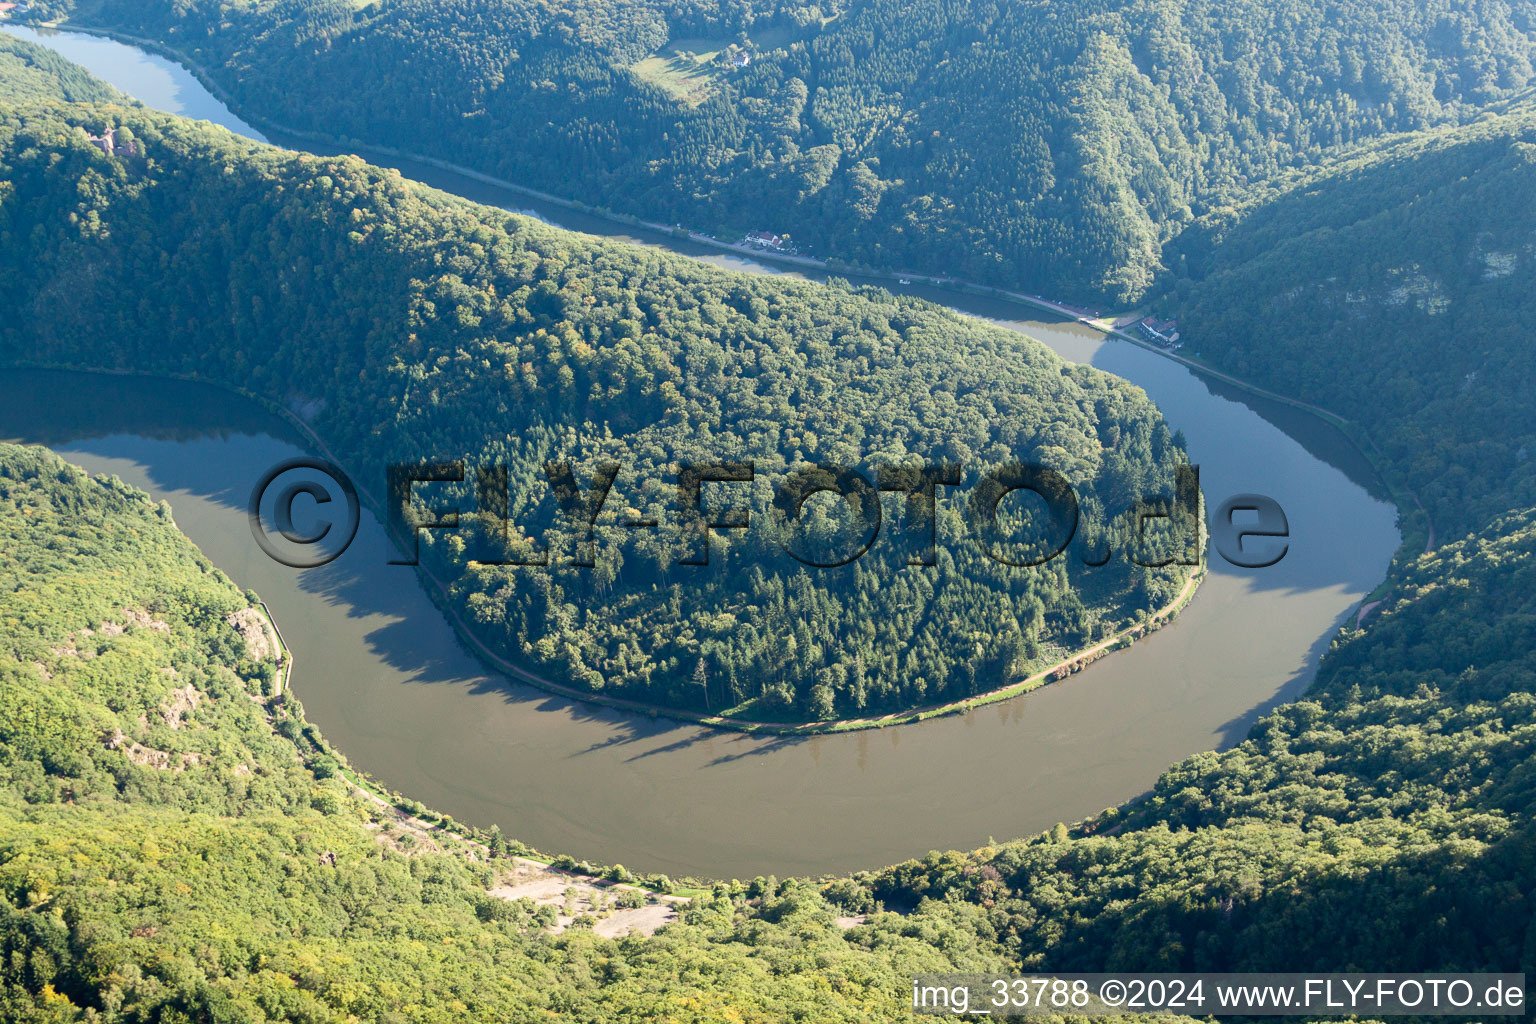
(165, 85)
(148, 77)
(385, 678)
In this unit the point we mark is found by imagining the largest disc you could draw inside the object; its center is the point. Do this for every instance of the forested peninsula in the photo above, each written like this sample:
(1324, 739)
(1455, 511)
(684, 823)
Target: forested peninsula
(179, 845)
(407, 326)
(30, 73)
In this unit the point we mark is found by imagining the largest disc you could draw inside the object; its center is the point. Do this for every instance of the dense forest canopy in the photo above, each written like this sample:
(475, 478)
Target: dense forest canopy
(177, 844)
(30, 72)
(1055, 146)
(1387, 811)
(1383, 822)
(1397, 289)
(411, 326)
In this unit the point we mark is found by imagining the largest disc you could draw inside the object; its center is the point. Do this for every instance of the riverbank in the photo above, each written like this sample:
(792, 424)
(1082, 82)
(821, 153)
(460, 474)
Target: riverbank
(445, 830)
(414, 703)
(440, 593)
(1414, 516)
(1068, 666)
(1418, 529)
(284, 652)
(441, 831)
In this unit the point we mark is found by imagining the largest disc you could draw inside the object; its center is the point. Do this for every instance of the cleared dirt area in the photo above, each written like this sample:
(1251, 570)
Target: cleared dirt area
(643, 921)
(579, 897)
(575, 897)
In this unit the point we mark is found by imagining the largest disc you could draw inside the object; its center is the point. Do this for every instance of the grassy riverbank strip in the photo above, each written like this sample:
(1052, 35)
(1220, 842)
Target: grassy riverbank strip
(285, 653)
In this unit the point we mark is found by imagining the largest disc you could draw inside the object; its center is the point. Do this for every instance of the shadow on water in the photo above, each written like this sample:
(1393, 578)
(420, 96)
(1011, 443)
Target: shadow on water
(386, 678)
(1321, 439)
(52, 407)
(1238, 729)
(390, 683)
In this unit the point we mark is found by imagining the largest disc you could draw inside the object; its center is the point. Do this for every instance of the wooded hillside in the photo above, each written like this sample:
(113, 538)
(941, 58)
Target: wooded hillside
(412, 327)
(1054, 147)
(1397, 289)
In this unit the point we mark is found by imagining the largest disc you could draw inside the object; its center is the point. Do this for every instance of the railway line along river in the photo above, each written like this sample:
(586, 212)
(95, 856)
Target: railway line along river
(389, 683)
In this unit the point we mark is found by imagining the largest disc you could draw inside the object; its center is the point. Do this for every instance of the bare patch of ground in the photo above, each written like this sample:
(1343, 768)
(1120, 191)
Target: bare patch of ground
(149, 757)
(852, 922)
(548, 889)
(643, 921)
(252, 627)
(579, 897)
(143, 620)
(69, 648)
(403, 838)
(576, 896)
(183, 702)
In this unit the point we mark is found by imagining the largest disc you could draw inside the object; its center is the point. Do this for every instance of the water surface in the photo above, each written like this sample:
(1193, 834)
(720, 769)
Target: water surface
(384, 677)
(147, 77)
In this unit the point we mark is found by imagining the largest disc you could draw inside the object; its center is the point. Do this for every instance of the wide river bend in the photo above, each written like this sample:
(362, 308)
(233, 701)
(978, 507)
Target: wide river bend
(387, 681)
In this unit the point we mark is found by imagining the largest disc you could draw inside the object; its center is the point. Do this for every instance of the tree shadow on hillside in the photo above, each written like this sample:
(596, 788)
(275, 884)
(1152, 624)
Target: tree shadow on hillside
(1452, 906)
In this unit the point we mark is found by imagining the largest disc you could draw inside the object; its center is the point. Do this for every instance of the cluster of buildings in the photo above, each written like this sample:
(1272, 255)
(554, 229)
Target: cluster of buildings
(8, 9)
(1160, 332)
(766, 240)
(108, 144)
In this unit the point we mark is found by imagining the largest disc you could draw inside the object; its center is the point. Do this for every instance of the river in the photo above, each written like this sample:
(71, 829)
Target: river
(384, 677)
